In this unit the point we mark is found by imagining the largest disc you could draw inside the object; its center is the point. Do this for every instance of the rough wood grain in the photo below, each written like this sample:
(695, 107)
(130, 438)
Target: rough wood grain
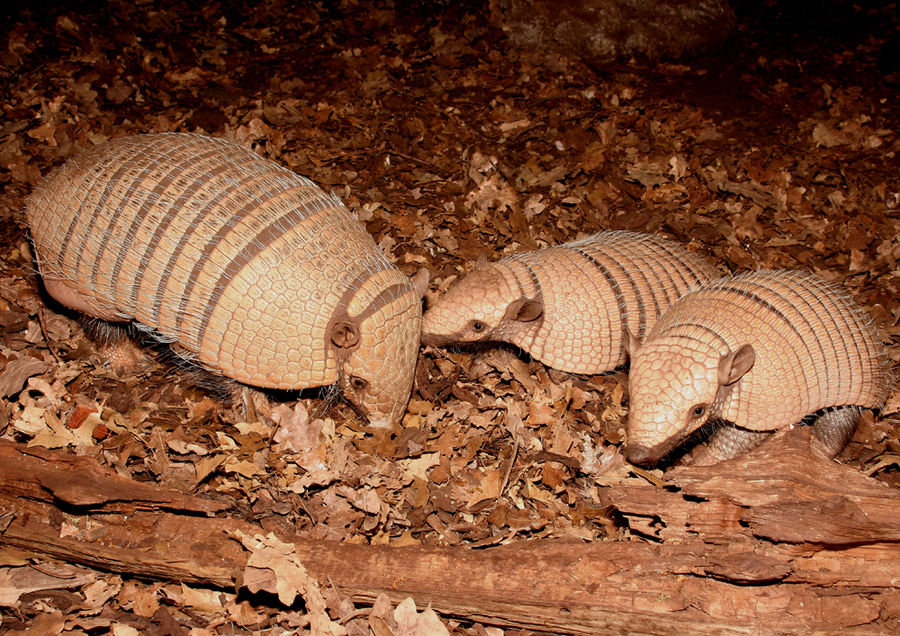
(784, 491)
(38, 473)
(706, 585)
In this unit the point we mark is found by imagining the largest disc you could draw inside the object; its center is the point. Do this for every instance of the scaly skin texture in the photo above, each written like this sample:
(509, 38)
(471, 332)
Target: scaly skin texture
(255, 272)
(761, 351)
(568, 306)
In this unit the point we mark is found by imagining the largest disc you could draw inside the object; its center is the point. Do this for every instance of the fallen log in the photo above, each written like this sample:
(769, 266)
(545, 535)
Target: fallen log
(785, 491)
(743, 585)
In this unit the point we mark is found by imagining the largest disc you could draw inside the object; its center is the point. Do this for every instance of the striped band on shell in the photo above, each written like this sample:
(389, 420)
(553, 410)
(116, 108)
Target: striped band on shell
(245, 264)
(805, 347)
(569, 305)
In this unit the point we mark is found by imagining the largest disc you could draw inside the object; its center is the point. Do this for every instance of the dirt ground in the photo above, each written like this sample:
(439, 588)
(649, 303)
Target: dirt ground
(779, 151)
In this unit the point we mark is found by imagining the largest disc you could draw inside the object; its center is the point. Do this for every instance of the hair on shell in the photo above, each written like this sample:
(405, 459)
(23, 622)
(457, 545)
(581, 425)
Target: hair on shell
(329, 396)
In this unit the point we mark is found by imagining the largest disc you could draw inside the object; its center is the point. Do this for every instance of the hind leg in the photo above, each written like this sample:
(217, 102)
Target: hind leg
(115, 344)
(834, 427)
(104, 325)
(727, 442)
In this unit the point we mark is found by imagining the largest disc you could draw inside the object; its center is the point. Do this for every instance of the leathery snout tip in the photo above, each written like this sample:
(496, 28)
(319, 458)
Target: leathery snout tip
(639, 455)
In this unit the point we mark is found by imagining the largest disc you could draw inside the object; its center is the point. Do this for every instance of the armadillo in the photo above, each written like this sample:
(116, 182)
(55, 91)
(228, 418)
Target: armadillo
(755, 352)
(252, 270)
(569, 305)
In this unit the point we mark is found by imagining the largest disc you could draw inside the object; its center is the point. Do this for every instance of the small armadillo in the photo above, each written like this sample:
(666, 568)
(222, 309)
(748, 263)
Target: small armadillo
(250, 268)
(757, 352)
(568, 305)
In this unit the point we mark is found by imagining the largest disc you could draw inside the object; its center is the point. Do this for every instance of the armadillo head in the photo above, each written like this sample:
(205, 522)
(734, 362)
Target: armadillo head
(675, 386)
(379, 348)
(485, 305)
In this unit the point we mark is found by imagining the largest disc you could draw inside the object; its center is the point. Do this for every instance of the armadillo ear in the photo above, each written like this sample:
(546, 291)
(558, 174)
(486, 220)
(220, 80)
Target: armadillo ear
(344, 335)
(733, 366)
(632, 344)
(524, 310)
(420, 281)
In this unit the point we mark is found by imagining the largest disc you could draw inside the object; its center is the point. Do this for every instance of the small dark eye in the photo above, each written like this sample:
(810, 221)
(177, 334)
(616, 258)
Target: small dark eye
(477, 325)
(358, 384)
(698, 411)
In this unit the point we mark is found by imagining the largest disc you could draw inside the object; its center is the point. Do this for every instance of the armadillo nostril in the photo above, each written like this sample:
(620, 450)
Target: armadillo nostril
(639, 455)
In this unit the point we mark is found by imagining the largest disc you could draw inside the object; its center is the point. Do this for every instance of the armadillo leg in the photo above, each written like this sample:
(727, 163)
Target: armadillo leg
(835, 426)
(251, 403)
(115, 345)
(728, 441)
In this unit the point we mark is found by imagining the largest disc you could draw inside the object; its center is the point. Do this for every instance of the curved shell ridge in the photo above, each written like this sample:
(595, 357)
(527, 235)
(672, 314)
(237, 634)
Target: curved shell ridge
(178, 221)
(814, 346)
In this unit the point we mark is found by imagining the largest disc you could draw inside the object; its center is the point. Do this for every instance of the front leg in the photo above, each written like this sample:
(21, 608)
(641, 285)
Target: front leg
(834, 427)
(115, 344)
(728, 441)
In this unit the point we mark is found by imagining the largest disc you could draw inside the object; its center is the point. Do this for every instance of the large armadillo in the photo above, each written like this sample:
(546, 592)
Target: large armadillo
(250, 268)
(758, 352)
(568, 305)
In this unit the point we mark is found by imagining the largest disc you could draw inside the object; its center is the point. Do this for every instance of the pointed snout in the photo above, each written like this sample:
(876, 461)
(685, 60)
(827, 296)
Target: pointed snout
(640, 455)
(650, 454)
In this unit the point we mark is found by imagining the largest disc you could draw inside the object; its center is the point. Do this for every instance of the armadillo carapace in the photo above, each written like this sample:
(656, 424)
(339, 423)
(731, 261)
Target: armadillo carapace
(252, 269)
(569, 305)
(759, 351)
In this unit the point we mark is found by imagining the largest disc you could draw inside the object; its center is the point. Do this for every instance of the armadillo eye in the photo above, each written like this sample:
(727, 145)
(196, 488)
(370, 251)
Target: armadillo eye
(358, 384)
(698, 411)
(477, 325)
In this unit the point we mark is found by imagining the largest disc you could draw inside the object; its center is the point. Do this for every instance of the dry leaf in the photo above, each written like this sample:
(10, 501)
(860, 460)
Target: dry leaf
(17, 372)
(413, 623)
(273, 566)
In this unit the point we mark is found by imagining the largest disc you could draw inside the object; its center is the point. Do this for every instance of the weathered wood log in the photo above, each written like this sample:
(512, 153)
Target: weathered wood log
(785, 491)
(80, 481)
(743, 585)
(601, 31)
